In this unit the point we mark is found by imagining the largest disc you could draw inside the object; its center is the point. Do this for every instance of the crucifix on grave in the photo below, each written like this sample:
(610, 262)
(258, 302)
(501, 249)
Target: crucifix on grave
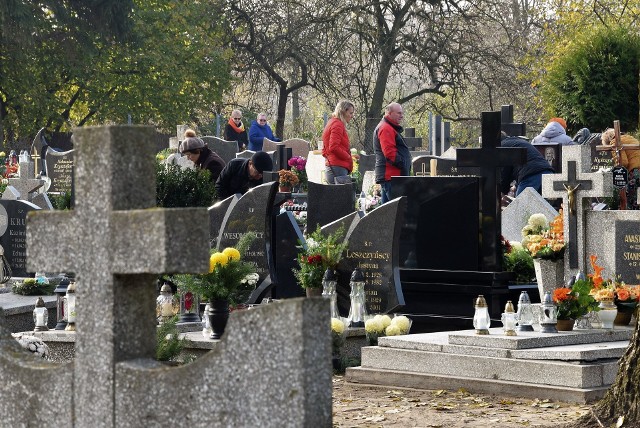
(620, 173)
(423, 172)
(117, 242)
(490, 158)
(576, 186)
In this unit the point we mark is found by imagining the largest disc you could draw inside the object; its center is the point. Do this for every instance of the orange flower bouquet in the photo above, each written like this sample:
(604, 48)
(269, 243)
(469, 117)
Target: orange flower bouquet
(542, 240)
(574, 302)
(625, 296)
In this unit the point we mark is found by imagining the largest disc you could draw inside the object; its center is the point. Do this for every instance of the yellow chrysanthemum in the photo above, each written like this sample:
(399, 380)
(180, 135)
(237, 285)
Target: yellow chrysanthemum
(337, 325)
(217, 259)
(2, 154)
(231, 253)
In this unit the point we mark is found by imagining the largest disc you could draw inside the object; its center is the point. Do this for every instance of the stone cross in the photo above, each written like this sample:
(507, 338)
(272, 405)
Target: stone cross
(26, 183)
(117, 243)
(490, 157)
(576, 186)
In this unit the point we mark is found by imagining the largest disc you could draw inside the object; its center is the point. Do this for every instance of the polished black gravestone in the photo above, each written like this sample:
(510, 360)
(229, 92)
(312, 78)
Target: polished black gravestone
(328, 202)
(490, 158)
(627, 241)
(252, 214)
(373, 241)
(13, 229)
(552, 152)
(366, 163)
(59, 169)
(444, 166)
(217, 213)
(285, 243)
(599, 158)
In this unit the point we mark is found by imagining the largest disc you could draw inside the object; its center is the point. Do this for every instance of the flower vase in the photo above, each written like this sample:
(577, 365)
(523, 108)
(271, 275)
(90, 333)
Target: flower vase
(313, 291)
(218, 317)
(549, 274)
(607, 313)
(625, 312)
(565, 325)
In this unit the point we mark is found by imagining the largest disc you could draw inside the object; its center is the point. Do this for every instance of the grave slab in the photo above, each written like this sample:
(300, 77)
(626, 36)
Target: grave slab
(516, 215)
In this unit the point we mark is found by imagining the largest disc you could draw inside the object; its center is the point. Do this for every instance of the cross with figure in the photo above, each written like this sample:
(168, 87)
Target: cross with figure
(576, 187)
(117, 243)
(490, 157)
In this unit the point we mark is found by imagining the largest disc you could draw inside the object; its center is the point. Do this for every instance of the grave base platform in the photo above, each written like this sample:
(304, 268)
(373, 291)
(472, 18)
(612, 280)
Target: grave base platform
(577, 366)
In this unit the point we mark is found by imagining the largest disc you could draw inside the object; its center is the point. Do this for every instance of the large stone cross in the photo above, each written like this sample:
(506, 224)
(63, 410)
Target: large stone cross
(117, 243)
(576, 186)
(490, 157)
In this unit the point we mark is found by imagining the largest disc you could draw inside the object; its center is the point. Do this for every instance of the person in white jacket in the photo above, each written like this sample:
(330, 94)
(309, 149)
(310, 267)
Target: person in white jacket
(554, 132)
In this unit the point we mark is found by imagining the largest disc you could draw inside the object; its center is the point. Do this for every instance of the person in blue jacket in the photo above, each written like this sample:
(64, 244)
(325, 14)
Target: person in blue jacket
(260, 129)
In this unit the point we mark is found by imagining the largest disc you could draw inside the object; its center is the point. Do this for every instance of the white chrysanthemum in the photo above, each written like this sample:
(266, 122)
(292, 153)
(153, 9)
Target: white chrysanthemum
(373, 325)
(392, 330)
(386, 320)
(516, 246)
(538, 222)
(337, 325)
(311, 243)
(402, 323)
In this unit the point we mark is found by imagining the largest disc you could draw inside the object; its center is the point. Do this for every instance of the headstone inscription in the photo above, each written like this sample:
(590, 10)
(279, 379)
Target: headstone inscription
(252, 213)
(118, 267)
(328, 202)
(600, 159)
(490, 157)
(59, 169)
(516, 215)
(374, 249)
(576, 187)
(225, 149)
(217, 213)
(13, 215)
(627, 236)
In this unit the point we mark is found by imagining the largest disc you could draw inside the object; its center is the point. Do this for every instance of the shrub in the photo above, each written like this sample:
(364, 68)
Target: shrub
(180, 188)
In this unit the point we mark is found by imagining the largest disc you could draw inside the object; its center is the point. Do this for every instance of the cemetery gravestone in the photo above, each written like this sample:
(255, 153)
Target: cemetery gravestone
(516, 215)
(374, 249)
(552, 152)
(368, 181)
(315, 167)
(245, 154)
(599, 158)
(225, 149)
(435, 134)
(217, 213)
(286, 241)
(298, 146)
(627, 236)
(490, 157)
(59, 169)
(508, 126)
(328, 202)
(366, 163)
(252, 213)
(13, 215)
(576, 187)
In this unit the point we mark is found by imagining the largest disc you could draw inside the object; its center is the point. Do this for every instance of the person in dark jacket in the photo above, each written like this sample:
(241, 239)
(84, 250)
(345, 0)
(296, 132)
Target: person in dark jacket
(197, 152)
(258, 131)
(235, 131)
(392, 153)
(527, 175)
(242, 174)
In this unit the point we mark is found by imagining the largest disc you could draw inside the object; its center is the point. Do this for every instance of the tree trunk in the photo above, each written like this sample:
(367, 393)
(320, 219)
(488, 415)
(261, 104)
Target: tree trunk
(282, 111)
(375, 112)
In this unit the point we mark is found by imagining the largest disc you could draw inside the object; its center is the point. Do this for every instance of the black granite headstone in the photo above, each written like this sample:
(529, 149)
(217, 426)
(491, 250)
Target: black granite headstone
(507, 125)
(627, 241)
(286, 241)
(59, 169)
(252, 214)
(444, 166)
(217, 213)
(373, 248)
(490, 158)
(328, 202)
(441, 225)
(366, 163)
(599, 158)
(13, 229)
(435, 134)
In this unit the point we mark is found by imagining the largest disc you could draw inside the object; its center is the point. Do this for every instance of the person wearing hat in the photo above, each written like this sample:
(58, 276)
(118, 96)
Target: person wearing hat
(202, 156)
(242, 174)
(554, 132)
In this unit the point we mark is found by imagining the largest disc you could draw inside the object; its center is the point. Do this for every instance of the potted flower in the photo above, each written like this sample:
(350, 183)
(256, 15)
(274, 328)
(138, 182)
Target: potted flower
(618, 301)
(376, 327)
(338, 332)
(298, 164)
(229, 281)
(545, 242)
(573, 303)
(287, 179)
(320, 253)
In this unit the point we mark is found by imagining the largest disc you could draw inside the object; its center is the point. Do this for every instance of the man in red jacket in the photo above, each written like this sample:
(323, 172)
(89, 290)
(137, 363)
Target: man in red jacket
(392, 153)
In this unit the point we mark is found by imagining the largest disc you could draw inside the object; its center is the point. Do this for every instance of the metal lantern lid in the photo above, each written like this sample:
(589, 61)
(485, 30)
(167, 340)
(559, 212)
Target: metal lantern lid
(357, 276)
(547, 300)
(329, 275)
(524, 299)
(481, 302)
(508, 308)
(166, 288)
(72, 287)
(62, 286)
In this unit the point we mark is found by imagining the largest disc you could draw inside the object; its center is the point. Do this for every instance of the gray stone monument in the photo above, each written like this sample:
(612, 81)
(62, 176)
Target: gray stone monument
(516, 215)
(576, 186)
(225, 149)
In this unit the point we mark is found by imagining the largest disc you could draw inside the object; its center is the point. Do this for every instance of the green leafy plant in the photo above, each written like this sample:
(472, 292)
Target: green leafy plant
(576, 301)
(229, 277)
(520, 262)
(61, 201)
(321, 252)
(178, 188)
(168, 342)
(30, 287)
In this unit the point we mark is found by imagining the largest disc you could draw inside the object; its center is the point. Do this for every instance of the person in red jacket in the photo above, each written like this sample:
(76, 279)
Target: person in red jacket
(336, 150)
(392, 153)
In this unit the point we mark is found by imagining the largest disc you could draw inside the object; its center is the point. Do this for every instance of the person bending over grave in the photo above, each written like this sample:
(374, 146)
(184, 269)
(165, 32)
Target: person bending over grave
(258, 131)
(197, 152)
(242, 174)
(234, 131)
(527, 175)
(392, 153)
(554, 132)
(336, 149)
(630, 159)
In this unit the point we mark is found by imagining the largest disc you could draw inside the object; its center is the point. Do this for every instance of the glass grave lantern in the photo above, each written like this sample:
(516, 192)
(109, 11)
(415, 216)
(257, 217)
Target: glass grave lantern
(61, 292)
(40, 316)
(509, 319)
(525, 313)
(358, 310)
(189, 306)
(70, 307)
(164, 304)
(329, 283)
(481, 319)
(548, 315)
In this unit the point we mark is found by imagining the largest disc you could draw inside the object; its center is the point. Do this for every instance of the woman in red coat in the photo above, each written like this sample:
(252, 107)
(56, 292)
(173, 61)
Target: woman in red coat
(335, 141)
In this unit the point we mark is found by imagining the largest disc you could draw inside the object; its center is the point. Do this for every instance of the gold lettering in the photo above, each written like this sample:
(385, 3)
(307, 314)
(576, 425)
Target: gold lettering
(632, 238)
(631, 256)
